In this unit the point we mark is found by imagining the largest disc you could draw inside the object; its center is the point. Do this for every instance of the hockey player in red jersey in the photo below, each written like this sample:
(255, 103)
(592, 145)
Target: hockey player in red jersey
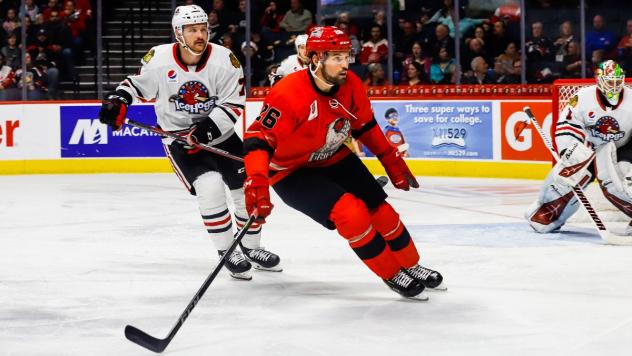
(300, 134)
(199, 92)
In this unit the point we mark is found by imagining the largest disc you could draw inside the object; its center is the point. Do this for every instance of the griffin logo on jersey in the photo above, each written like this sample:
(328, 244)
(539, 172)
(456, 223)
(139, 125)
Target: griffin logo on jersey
(337, 132)
(193, 97)
(607, 128)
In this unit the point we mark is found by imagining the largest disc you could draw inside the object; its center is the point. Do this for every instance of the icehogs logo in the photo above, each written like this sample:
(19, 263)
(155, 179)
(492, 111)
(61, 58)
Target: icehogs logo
(607, 129)
(193, 97)
(337, 133)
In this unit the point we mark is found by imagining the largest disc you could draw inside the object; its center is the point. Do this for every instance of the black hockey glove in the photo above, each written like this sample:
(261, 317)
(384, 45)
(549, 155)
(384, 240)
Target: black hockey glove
(114, 110)
(203, 132)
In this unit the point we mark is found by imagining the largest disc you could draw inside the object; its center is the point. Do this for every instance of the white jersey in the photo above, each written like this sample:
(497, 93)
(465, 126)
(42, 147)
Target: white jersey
(589, 117)
(188, 94)
(289, 65)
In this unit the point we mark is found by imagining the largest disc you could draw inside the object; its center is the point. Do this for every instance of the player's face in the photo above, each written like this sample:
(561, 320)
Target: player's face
(335, 67)
(195, 36)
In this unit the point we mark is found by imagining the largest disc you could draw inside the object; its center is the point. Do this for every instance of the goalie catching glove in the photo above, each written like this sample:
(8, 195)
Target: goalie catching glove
(114, 110)
(573, 164)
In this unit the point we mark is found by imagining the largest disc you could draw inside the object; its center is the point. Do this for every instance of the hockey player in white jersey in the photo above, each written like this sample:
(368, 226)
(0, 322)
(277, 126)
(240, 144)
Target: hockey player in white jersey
(594, 132)
(199, 91)
(295, 62)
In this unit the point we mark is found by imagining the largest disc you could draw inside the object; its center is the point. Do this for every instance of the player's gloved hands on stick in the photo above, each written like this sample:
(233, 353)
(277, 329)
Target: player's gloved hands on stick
(397, 170)
(257, 192)
(113, 111)
(202, 132)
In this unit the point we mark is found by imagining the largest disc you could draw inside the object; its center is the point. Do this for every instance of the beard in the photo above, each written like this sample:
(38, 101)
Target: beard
(336, 80)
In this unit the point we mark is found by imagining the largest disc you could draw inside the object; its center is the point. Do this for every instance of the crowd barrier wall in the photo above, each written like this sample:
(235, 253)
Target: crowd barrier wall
(473, 137)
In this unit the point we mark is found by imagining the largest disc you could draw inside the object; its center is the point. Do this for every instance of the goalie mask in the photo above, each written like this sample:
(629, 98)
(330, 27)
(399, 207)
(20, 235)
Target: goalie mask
(610, 80)
(188, 15)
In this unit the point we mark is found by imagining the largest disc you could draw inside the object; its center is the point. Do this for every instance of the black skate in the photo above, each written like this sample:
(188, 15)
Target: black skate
(238, 266)
(406, 286)
(263, 260)
(429, 278)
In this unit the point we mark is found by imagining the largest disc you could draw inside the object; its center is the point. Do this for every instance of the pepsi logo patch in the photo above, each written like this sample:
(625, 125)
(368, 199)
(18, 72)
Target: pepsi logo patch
(172, 76)
(607, 128)
(591, 114)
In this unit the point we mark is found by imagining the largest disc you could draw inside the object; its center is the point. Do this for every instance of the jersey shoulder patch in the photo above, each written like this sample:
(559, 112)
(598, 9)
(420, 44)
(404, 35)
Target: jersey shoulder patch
(234, 61)
(573, 101)
(147, 57)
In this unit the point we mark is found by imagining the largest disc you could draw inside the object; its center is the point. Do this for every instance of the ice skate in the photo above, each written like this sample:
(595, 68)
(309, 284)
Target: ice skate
(262, 259)
(406, 286)
(238, 266)
(429, 278)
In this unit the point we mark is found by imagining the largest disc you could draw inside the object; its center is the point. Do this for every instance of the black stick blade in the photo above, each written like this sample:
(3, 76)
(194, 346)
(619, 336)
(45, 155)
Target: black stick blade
(382, 180)
(145, 340)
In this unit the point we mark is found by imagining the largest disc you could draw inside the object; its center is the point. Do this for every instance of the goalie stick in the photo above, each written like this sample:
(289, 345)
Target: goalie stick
(154, 344)
(605, 234)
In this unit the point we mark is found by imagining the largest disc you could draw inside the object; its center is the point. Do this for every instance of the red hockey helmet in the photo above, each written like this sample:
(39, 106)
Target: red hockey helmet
(327, 38)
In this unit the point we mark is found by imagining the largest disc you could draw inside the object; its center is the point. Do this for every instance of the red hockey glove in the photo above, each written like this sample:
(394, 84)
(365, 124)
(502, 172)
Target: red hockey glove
(397, 170)
(113, 111)
(257, 192)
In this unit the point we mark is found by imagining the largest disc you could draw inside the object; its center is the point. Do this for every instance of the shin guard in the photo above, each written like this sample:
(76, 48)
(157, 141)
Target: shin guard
(386, 221)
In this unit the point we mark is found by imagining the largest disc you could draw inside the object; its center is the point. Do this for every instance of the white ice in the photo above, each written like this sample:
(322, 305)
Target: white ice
(81, 256)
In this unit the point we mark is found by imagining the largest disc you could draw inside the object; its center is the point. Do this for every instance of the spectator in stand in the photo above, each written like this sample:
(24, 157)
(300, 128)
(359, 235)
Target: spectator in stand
(442, 40)
(76, 22)
(225, 17)
(29, 9)
(375, 50)
(239, 27)
(215, 29)
(415, 75)
(444, 16)
(600, 38)
(355, 43)
(343, 17)
(379, 18)
(442, 71)
(271, 19)
(60, 43)
(10, 22)
(11, 52)
(257, 61)
(53, 5)
(34, 79)
(228, 42)
(418, 55)
(624, 49)
(376, 76)
(7, 80)
(572, 63)
(481, 36)
(404, 42)
(562, 41)
(507, 65)
(538, 46)
(474, 49)
(481, 73)
(296, 19)
(499, 39)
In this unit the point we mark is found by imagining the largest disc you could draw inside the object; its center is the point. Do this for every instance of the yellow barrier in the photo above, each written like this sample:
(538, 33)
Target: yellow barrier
(161, 165)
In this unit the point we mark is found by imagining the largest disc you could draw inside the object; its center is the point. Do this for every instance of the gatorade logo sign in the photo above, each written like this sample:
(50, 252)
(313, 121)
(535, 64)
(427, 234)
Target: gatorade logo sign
(522, 142)
(7, 132)
(83, 135)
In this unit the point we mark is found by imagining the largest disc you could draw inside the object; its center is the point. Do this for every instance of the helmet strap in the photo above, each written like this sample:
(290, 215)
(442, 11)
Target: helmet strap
(318, 65)
(183, 44)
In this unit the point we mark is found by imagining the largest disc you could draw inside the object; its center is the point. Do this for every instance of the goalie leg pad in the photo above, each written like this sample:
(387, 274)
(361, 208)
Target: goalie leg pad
(554, 206)
(211, 199)
(353, 222)
(614, 178)
(387, 223)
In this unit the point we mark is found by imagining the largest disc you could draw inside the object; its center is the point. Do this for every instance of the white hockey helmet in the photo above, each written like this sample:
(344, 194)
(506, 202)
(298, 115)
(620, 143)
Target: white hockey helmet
(187, 15)
(301, 40)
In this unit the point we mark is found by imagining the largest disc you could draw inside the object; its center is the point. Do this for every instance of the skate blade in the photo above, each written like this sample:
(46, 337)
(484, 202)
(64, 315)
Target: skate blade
(421, 297)
(243, 276)
(259, 267)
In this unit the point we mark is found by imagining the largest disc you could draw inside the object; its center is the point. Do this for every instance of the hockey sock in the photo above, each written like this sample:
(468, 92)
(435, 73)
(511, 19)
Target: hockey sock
(353, 222)
(387, 222)
(252, 240)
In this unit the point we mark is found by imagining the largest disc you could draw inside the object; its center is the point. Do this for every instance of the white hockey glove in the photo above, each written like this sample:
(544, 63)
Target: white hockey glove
(573, 164)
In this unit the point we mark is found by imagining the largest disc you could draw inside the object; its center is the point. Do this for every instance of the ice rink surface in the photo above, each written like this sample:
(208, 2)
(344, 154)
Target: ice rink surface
(81, 256)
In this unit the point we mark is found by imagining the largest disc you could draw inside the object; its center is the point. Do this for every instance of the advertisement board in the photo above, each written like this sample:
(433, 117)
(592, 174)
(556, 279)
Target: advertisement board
(28, 132)
(522, 142)
(82, 135)
(438, 129)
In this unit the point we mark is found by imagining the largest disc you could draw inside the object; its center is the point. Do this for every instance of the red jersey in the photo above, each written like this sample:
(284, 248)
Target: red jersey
(302, 126)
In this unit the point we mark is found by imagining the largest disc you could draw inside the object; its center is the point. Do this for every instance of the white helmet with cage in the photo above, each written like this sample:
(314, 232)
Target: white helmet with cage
(187, 15)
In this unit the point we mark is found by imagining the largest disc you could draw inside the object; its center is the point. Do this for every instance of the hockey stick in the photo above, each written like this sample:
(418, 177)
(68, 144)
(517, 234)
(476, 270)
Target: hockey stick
(154, 344)
(382, 181)
(605, 234)
(182, 139)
